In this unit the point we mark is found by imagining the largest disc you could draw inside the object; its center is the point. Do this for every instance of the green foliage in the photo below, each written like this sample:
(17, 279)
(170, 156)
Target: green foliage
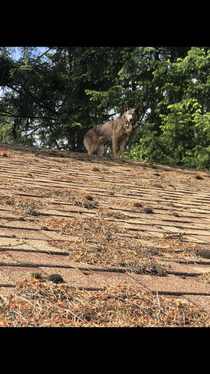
(180, 134)
(45, 98)
(54, 98)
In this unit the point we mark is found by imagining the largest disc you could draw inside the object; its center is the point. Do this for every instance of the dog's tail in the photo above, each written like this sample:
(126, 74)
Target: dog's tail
(92, 141)
(85, 141)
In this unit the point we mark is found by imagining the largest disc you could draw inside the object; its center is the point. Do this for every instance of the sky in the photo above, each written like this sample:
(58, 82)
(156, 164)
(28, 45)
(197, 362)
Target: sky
(16, 52)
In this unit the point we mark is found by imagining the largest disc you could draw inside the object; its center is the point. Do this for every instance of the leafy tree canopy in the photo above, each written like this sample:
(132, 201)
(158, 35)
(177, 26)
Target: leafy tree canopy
(53, 98)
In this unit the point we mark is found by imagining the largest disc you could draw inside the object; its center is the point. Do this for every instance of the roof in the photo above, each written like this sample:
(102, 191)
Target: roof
(101, 223)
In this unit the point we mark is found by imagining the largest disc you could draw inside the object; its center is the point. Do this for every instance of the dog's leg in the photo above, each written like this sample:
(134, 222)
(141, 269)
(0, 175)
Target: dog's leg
(100, 146)
(122, 147)
(114, 146)
(100, 150)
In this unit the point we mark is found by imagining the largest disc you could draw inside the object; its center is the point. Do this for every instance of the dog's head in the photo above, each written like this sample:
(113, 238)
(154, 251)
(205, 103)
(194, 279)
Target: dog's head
(131, 115)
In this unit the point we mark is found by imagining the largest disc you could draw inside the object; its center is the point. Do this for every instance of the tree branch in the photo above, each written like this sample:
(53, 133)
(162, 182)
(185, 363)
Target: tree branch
(44, 53)
(7, 114)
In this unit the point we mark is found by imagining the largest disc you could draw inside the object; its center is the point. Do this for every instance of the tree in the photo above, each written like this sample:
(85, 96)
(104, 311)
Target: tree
(185, 129)
(55, 97)
(45, 98)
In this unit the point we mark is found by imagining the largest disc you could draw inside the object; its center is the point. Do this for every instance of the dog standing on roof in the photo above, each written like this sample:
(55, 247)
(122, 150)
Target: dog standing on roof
(117, 130)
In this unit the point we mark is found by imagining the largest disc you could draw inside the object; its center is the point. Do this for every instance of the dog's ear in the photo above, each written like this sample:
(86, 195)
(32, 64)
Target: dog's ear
(126, 107)
(137, 108)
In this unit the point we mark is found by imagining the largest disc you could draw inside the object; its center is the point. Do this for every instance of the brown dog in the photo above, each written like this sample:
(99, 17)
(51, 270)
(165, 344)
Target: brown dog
(117, 130)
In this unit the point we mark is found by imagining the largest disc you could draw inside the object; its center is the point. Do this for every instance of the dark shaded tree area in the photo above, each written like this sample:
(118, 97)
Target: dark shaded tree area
(52, 98)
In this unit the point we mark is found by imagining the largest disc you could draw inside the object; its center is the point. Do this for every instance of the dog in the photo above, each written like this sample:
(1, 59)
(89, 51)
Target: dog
(117, 130)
